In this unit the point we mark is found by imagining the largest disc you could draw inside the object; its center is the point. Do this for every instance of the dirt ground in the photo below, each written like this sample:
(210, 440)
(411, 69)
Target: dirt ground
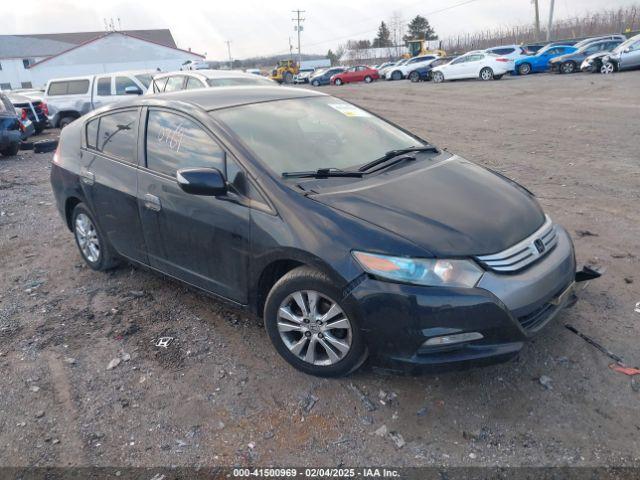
(220, 395)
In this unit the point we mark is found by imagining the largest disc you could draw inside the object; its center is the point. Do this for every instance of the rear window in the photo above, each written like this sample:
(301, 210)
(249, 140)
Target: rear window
(118, 134)
(68, 87)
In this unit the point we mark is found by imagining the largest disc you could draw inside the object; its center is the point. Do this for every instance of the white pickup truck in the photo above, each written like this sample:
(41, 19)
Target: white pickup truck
(70, 98)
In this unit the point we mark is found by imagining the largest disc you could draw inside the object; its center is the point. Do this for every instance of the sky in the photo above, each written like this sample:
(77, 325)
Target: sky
(263, 27)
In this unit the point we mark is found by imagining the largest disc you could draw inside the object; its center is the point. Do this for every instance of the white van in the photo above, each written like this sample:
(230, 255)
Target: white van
(70, 98)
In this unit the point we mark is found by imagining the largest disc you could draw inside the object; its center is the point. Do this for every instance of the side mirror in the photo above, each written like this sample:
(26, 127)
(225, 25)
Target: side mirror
(202, 181)
(132, 90)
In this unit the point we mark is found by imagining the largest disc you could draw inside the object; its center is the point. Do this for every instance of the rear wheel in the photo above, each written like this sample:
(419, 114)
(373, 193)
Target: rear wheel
(397, 75)
(437, 77)
(486, 74)
(414, 77)
(64, 121)
(524, 69)
(94, 247)
(568, 67)
(368, 79)
(607, 68)
(315, 83)
(311, 326)
(338, 82)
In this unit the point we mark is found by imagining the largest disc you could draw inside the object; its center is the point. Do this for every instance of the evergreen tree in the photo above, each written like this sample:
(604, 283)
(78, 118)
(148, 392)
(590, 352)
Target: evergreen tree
(420, 29)
(384, 37)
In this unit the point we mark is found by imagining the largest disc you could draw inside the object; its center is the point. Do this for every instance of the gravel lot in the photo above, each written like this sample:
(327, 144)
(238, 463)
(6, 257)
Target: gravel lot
(220, 395)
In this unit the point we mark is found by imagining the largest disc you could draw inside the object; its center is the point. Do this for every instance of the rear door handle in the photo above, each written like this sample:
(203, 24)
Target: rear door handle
(87, 177)
(152, 202)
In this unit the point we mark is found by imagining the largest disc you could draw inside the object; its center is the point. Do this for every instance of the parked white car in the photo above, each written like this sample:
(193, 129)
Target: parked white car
(70, 98)
(191, 79)
(512, 52)
(387, 70)
(403, 71)
(484, 66)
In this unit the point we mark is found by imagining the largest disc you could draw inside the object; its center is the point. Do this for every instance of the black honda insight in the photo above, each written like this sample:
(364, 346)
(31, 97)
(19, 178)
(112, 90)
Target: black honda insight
(349, 236)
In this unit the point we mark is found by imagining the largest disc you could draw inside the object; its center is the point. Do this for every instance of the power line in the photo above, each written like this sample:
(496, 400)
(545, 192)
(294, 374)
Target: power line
(352, 35)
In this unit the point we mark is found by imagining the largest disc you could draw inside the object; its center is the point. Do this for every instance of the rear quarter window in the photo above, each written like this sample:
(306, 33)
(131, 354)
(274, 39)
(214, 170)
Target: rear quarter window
(92, 133)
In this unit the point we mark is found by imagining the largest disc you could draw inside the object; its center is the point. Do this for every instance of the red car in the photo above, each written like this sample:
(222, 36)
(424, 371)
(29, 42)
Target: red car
(360, 73)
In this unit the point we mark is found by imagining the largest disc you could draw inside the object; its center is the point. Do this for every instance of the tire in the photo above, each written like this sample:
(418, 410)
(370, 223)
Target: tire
(397, 75)
(607, 68)
(368, 79)
(287, 78)
(524, 69)
(44, 146)
(64, 121)
(567, 67)
(315, 83)
(437, 77)
(10, 151)
(486, 74)
(26, 145)
(101, 256)
(293, 332)
(414, 77)
(338, 82)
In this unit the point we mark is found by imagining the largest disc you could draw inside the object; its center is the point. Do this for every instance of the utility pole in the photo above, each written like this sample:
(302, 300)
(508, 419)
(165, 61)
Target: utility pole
(537, 12)
(228, 42)
(298, 28)
(550, 20)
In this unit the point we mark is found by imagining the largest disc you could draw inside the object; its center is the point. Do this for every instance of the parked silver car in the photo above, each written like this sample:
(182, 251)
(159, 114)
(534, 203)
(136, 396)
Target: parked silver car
(624, 57)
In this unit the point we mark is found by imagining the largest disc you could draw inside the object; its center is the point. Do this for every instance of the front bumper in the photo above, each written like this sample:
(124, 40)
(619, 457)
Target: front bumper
(506, 309)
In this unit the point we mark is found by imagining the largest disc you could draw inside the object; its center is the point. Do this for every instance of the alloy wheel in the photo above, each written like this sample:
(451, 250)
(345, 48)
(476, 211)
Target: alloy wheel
(607, 68)
(524, 69)
(567, 67)
(486, 74)
(437, 77)
(314, 327)
(87, 237)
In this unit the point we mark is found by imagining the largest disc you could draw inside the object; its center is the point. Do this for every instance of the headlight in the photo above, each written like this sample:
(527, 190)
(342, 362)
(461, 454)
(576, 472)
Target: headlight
(421, 271)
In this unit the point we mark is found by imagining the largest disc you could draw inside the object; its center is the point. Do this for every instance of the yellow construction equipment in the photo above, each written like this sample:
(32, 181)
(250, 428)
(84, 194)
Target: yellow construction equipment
(285, 71)
(420, 47)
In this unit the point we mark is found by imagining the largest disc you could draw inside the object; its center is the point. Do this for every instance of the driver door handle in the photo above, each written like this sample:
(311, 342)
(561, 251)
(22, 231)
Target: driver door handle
(152, 202)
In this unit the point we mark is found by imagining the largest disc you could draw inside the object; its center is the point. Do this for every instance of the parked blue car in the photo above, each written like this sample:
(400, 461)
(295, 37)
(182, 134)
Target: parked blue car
(540, 61)
(324, 76)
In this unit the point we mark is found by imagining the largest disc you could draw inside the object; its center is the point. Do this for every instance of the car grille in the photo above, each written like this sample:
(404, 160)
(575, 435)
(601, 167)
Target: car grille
(523, 253)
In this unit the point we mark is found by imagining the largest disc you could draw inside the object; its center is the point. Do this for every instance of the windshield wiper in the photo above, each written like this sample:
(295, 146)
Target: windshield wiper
(396, 153)
(323, 173)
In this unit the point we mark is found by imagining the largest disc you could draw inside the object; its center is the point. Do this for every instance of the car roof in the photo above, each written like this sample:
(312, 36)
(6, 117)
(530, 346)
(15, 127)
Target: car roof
(207, 73)
(223, 97)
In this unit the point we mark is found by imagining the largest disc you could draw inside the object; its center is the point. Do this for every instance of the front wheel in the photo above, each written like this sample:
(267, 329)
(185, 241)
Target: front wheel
(414, 77)
(607, 68)
(397, 75)
(568, 67)
(94, 247)
(486, 74)
(338, 82)
(524, 69)
(311, 326)
(437, 77)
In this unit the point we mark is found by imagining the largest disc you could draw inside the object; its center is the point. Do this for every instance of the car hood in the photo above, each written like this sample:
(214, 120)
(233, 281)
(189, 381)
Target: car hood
(449, 208)
(568, 56)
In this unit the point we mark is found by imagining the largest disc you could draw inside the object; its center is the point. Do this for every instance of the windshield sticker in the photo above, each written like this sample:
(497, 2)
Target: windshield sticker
(349, 110)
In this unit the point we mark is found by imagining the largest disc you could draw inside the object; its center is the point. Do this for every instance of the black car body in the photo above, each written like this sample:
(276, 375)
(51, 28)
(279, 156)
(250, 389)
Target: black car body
(324, 77)
(423, 74)
(435, 261)
(571, 62)
(10, 133)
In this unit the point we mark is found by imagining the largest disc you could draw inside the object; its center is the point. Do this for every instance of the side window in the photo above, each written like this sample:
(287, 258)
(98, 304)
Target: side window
(118, 134)
(459, 60)
(476, 57)
(174, 84)
(77, 87)
(158, 84)
(122, 83)
(635, 46)
(104, 86)
(193, 83)
(92, 133)
(175, 142)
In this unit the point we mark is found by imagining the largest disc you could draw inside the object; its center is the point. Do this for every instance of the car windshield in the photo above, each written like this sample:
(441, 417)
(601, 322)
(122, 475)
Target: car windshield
(544, 50)
(237, 81)
(625, 44)
(145, 79)
(307, 134)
